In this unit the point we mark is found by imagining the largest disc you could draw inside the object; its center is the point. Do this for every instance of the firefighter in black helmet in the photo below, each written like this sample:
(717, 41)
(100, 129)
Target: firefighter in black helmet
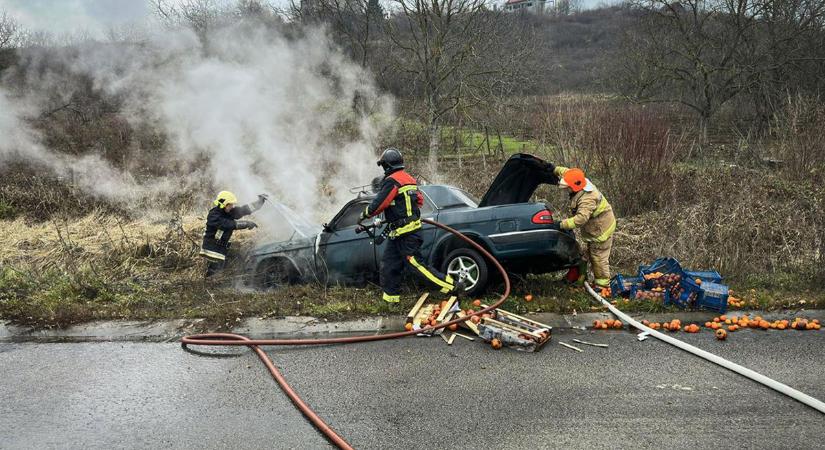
(221, 222)
(399, 199)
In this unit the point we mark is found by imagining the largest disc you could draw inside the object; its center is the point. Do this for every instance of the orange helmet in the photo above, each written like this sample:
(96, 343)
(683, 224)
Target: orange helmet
(573, 179)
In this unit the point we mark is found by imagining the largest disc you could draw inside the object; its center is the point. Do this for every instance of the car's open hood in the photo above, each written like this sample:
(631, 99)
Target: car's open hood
(518, 180)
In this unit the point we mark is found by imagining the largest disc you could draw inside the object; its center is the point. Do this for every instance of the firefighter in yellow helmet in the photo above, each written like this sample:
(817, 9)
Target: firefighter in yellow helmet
(593, 216)
(221, 222)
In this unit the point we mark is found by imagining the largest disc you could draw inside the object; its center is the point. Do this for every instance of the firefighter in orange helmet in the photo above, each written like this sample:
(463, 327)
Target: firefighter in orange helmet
(592, 215)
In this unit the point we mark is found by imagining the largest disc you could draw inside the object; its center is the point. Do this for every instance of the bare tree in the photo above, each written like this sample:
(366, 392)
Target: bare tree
(704, 53)
(8, 30)
(355, 23)
(445, 50)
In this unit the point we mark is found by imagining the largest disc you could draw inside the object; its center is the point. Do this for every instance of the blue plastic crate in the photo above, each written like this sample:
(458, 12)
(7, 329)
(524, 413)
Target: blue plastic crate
(714, 297)
(664, 265)
(711, 276)
(686, 294)
(621, 285)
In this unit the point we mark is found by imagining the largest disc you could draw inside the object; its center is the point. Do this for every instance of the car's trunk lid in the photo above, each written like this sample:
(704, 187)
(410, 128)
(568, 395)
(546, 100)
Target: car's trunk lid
(518, 180)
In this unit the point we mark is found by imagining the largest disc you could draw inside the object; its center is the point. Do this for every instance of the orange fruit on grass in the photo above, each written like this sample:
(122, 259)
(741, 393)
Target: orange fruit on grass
(476, 302)
(721, 334)
(528, 298)
(495, 343)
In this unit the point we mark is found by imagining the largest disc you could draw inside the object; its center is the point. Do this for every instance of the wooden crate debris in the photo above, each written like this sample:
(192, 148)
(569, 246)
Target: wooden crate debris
(514, 331)
(424, 315)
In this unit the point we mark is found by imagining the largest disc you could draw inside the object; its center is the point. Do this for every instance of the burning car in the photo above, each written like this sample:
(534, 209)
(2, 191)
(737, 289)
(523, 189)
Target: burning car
(521, 234)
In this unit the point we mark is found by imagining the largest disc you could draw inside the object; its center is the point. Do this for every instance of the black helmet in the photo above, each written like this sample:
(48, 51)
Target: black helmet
(391, 159)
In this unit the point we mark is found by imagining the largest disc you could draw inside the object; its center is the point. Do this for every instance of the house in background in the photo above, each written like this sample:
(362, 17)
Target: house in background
(533, 6)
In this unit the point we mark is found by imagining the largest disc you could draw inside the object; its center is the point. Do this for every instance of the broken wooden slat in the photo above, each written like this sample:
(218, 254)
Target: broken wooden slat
(571, 347)
(418, 304)
(446, 309)
(464, 336)
(514, 328)
(468, 322)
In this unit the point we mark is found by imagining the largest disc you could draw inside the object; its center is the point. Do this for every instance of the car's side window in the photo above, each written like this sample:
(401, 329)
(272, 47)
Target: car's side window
(349, 218)
(427, 208)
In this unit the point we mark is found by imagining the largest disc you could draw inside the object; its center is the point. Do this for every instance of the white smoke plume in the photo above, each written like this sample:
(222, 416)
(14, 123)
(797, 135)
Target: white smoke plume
(244, 108)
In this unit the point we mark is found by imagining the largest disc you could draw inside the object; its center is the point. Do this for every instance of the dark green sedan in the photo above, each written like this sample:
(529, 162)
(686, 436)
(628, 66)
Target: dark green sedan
(522, 235)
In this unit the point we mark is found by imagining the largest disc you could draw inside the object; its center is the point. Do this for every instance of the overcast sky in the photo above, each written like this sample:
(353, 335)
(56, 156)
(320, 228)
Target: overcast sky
(95, 16)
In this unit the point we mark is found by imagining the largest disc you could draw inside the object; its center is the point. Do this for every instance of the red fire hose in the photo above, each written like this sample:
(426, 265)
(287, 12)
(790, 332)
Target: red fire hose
(254, 344)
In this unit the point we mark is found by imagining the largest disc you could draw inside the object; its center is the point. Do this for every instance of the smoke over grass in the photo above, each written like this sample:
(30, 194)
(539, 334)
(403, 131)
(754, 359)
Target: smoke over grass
(244, 108)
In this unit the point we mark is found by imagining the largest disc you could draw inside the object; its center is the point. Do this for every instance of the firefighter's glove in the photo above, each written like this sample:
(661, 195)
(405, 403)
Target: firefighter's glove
(257, 204)
(245, 224)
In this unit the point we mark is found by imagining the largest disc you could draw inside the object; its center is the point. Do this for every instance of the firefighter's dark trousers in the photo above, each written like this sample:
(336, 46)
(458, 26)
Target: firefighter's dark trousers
(405, 250)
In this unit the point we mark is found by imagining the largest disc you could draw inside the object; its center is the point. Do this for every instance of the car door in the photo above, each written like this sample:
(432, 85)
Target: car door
(428, 232)
(344, 255)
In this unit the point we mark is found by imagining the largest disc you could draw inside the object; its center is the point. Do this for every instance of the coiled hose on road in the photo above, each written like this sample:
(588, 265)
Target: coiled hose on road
(229, 339)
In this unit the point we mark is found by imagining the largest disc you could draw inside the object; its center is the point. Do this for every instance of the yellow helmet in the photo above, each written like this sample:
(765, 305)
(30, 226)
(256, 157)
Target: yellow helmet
(224, 198)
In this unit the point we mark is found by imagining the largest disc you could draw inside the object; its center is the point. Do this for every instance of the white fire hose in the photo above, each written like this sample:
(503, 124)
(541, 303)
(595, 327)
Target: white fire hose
(744, 371)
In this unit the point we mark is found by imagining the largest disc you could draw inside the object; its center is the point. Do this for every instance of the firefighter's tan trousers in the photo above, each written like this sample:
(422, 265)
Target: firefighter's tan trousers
(598, 254)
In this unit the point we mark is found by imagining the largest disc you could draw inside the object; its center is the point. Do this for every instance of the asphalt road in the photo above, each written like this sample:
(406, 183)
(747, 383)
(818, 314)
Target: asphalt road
(415, 392)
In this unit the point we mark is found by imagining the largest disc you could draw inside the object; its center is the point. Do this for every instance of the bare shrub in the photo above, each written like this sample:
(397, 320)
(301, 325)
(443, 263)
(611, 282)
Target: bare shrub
(799, 131)
(735, 220)
(628, 150)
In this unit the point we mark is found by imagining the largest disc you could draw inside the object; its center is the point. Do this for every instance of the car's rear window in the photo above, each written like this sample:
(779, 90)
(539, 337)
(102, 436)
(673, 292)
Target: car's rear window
(446, 197)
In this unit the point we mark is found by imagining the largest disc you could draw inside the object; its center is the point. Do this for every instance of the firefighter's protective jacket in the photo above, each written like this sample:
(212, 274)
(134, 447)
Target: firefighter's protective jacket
(400, 201)
(590, 212)
(219, 228)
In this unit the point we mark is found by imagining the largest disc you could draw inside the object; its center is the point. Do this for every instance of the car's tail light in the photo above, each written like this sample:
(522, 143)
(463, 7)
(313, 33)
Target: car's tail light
(543, 217)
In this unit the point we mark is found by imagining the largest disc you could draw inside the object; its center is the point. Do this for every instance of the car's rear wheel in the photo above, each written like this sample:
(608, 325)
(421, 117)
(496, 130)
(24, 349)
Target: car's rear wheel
(469, 264)
(273, 273)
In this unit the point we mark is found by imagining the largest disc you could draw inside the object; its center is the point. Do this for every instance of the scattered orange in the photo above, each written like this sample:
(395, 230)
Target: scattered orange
(597, 324)
(721, 334)
(528, 298)
(475, 319)
(476, 302)
(453, 327)
(733, 327)
(708, 324)
(408, 327)
(618, 324)
(496, 344)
